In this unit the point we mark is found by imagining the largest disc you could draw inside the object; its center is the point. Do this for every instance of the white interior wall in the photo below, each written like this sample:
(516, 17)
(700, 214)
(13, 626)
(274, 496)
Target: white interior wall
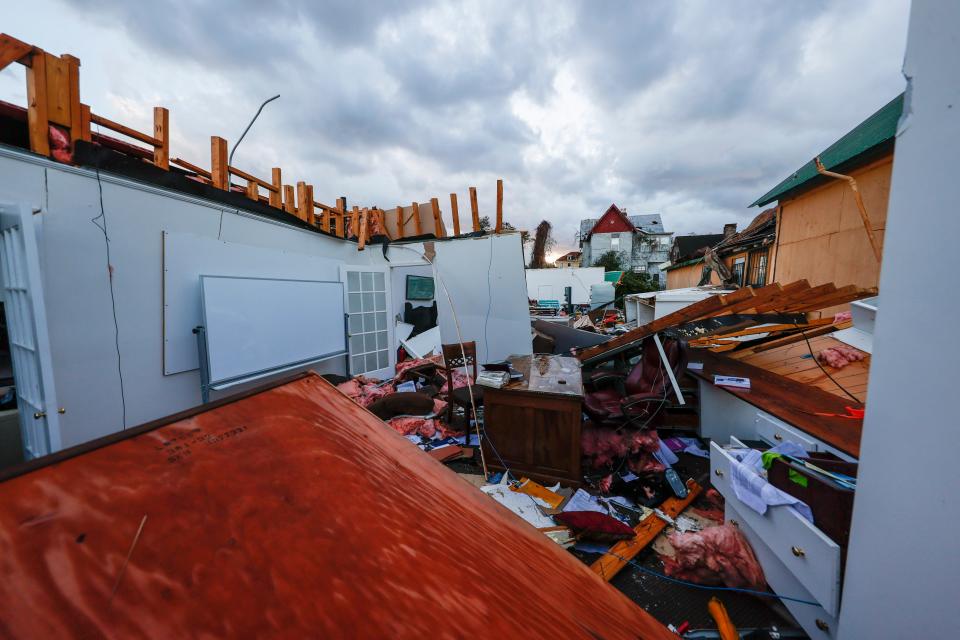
(902, 570)
(77, 286)
(485, 279)
(398, 279)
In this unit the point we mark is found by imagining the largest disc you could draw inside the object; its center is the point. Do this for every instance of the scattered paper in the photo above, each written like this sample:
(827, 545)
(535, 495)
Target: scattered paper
(519, 503)
(583, 501)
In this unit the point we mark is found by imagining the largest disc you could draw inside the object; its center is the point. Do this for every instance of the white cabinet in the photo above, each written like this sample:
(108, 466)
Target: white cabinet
(805, 551)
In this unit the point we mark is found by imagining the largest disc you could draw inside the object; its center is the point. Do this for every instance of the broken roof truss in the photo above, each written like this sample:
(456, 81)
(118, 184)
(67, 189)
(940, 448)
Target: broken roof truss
(57, 121)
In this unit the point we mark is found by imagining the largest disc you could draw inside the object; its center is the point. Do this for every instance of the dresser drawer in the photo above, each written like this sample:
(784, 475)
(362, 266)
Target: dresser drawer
(774, 432)
(817, 623)
(812, 557)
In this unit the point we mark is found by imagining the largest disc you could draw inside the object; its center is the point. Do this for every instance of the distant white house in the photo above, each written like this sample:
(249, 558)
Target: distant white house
(551, 284)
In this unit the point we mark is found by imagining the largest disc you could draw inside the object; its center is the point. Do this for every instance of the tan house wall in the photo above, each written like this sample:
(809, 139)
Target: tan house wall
(684, 276)
(820, 235)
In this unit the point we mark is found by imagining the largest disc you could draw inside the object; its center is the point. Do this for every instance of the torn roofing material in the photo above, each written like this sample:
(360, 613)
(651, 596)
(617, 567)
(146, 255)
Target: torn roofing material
(879, 128)
(291, 512)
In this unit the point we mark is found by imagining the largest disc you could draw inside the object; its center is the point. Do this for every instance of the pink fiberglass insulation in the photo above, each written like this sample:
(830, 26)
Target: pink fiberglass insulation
(410, 425)
(603, 445)
(364, 391)
(840, 356)
(716, 555)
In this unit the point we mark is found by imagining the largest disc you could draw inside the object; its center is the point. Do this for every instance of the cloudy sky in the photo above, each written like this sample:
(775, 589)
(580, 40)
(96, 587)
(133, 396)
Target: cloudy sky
(687, 109)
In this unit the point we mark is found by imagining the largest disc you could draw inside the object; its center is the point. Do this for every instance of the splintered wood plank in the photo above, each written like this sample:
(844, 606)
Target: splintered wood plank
(364, 229)
(704, 308)
(161, 131)
(12, 50)
(73, 86)
(219, 173)
(455, 214)
(647, 529)
(840, 296)
(289, 200)
(474, 209)
(275, 197)
(760, 296)
(437, 222)
(339, 217)
(400, 233)
(810, 294)
(417, 224)
(355, 222)
(789, 291)
(800, 336)
(38, 122)
(499, 226)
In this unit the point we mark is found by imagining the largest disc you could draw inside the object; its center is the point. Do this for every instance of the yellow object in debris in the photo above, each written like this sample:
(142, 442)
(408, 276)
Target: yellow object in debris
(549, 498)
(724, 623)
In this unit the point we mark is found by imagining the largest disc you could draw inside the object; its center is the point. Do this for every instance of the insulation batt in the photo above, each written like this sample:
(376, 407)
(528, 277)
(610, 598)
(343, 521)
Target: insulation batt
(603, 445)
(364, 391)
(716, 555)
(409, 425)
(839, 356)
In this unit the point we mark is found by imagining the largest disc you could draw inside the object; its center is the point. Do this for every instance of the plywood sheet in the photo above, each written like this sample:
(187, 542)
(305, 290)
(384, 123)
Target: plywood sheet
(290, 513)
(793, 361)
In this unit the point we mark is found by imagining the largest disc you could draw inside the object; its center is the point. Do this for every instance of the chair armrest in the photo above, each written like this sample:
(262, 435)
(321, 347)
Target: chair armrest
(641, 398)
(597, 378)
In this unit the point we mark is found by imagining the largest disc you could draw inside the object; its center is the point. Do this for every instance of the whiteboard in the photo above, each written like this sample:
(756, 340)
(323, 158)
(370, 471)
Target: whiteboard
(187, 256)
(255, 326)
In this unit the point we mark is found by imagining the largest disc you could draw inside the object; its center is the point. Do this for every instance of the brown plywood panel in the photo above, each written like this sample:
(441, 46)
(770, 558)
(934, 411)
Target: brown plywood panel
(289, 513)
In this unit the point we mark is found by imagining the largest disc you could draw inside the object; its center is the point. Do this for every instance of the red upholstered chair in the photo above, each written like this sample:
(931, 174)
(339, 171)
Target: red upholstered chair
(635, 397)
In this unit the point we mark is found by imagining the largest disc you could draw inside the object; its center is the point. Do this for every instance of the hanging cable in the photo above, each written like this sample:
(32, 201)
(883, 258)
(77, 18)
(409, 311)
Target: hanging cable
(463, 351)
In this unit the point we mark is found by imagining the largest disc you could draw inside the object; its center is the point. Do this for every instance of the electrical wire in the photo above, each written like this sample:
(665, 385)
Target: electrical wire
(825, 372)
(764, 594)
(113, 299)
(463, 351)
(486, 319)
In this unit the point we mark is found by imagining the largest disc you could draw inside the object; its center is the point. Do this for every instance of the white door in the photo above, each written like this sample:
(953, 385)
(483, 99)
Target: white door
(369, 327)
(27, 330)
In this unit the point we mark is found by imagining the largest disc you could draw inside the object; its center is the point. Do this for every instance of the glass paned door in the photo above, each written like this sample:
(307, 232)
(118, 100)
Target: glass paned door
(368, 327)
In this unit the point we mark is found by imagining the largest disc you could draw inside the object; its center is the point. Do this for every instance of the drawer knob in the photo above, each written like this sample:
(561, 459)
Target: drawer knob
(798, 551)
(718, 473)
(39, 414)
(777, 437)
(822, 625)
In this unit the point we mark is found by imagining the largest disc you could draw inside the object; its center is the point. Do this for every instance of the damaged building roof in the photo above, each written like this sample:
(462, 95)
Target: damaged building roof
(646, 222)
(867, 139)
(289, 512)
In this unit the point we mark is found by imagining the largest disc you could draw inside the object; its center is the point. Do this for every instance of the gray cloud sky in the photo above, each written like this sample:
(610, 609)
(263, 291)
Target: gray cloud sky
(688, 109)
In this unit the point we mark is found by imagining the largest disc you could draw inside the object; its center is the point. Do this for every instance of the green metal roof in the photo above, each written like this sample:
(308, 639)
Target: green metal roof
(877, 129)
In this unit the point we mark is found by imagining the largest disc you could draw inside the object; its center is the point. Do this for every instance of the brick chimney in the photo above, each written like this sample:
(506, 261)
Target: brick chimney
(729, 229)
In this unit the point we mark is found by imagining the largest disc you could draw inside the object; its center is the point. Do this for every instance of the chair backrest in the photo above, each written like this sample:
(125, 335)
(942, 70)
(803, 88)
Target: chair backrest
(649, 374)
(453, 358)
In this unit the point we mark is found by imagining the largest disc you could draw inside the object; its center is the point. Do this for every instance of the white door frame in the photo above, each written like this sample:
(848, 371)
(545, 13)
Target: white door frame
(384, 372)
(28, 334)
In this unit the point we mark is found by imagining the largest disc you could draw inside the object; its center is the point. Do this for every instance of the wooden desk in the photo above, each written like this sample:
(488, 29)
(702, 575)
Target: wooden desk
(534, 423)
(793, 402)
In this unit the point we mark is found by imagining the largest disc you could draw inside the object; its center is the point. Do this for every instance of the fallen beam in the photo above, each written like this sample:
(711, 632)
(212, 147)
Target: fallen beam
(647, 529)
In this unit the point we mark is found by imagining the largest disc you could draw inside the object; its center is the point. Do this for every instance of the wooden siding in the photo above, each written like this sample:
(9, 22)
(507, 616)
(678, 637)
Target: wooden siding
(820, 236)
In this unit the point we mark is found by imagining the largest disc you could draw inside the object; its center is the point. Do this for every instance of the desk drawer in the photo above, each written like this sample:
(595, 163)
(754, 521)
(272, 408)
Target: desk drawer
(812, 557)
(775, 432)
(818, 624)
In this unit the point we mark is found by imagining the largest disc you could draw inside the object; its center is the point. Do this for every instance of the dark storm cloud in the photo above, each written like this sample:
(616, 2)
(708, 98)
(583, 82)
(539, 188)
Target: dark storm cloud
(692, 109)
